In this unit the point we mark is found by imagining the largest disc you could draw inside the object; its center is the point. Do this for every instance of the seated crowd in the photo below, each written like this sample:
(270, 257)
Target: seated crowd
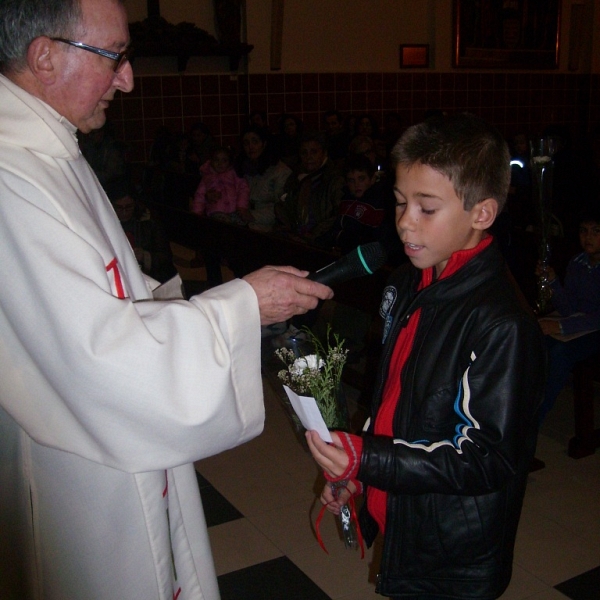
(329, 188)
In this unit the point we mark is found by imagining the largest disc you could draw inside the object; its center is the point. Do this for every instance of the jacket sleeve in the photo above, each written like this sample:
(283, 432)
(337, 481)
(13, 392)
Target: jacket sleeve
(331, 199)
(243, 193)
(492, 424)
(561, 299)
(285, 210)
(199, 201)
(566, 304)
(280, 178)
(581, 323)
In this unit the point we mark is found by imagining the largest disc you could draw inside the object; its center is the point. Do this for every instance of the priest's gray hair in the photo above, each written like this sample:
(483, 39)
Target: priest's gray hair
(21, 21)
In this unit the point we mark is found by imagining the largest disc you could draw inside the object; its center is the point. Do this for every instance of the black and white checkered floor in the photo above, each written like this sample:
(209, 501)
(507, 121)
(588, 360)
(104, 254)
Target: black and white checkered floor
(260, 503)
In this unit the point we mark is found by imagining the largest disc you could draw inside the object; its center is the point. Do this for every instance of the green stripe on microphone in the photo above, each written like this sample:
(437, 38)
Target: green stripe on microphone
(362, 260)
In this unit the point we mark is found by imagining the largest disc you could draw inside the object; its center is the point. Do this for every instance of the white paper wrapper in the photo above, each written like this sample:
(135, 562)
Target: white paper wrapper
(309, 414)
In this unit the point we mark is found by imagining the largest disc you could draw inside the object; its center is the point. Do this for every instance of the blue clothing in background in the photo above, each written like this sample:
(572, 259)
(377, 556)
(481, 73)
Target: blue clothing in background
(580, 294)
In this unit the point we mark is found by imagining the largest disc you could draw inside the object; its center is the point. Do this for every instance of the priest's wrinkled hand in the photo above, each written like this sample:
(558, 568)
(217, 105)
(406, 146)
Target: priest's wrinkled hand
(283, 292)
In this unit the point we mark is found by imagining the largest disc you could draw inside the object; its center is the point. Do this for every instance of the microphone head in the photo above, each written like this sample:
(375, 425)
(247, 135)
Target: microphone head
(363, 260)
(372, 256)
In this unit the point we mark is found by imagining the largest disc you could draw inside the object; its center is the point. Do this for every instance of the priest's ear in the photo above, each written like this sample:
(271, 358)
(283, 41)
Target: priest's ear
(41, 59)
(484, 214)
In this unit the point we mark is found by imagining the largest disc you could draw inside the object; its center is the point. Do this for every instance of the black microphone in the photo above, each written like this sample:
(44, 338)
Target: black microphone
(363, 260)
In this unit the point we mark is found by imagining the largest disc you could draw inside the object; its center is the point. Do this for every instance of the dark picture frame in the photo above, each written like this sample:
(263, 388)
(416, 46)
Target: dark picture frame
(492, 34)
(414, 56)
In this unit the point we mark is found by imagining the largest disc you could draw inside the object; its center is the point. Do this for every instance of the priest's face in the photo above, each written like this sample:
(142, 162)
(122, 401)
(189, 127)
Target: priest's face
(86, 82)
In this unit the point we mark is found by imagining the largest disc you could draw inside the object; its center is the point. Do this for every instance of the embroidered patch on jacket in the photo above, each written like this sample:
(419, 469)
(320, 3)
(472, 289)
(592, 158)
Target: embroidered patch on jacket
(385, 310)
(359, 211)
(387, 302)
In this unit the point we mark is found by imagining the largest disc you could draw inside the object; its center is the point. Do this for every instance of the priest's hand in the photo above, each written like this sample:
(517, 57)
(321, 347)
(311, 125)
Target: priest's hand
(283, 292)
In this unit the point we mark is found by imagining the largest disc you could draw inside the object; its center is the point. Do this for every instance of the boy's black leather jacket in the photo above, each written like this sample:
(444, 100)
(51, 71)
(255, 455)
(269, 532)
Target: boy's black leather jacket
(464, 432)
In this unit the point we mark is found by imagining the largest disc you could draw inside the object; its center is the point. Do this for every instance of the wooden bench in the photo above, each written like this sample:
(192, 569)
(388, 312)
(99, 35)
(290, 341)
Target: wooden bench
(587, 437)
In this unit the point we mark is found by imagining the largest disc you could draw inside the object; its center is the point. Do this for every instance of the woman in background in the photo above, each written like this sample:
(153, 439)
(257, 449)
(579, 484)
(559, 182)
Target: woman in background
(266, 175)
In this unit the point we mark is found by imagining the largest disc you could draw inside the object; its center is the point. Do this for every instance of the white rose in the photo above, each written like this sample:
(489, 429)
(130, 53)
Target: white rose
(311, 362)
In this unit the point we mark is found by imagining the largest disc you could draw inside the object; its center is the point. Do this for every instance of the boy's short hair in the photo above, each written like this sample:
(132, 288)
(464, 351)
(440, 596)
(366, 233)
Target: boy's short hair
(359, 162)
(466, 149)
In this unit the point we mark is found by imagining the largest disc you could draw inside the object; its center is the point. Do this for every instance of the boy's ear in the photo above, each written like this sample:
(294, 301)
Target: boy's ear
(485, 213)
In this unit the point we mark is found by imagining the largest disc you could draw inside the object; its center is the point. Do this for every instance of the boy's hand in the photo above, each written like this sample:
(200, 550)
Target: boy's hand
(334, 505)
(332, 458)
(550, 326)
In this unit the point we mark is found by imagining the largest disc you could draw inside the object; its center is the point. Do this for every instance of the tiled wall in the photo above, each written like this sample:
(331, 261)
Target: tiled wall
(515, 102)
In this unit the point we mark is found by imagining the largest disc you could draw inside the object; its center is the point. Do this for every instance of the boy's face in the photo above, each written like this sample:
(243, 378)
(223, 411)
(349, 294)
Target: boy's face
(589, 237)
(358, 183)
(430, 218)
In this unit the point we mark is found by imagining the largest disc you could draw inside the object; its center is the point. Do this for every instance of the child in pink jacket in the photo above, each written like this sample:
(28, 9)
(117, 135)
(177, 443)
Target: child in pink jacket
(221, 190)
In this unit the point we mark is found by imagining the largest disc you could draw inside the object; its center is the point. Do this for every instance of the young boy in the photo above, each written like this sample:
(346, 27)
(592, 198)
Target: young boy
(578, 304)
(445, 456)
(362, 209)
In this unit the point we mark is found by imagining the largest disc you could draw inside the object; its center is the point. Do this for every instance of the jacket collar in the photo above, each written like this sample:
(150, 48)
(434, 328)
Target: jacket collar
(471, 275)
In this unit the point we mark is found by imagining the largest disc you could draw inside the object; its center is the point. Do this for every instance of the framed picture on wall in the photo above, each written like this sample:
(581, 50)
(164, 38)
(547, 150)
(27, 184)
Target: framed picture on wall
(414, 56)
(506, 34)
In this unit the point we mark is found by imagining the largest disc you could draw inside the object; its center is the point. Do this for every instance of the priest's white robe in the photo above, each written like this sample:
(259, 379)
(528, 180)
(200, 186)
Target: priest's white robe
(106, 396)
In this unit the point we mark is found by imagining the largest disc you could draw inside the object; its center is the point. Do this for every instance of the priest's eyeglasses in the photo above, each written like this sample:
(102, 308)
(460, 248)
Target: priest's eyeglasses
(120, 58)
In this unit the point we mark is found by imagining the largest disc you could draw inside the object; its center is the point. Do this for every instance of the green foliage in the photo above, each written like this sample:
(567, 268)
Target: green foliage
(318, 375)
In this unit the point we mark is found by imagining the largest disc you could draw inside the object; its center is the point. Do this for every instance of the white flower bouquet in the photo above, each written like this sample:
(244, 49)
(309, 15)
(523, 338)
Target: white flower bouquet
(319, 374)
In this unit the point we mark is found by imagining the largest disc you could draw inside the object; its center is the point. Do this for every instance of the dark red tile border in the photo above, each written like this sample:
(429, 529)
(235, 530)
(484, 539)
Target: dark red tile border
(513, 101)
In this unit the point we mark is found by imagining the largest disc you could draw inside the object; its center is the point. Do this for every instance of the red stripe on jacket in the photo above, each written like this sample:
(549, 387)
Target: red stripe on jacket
(376, 498)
